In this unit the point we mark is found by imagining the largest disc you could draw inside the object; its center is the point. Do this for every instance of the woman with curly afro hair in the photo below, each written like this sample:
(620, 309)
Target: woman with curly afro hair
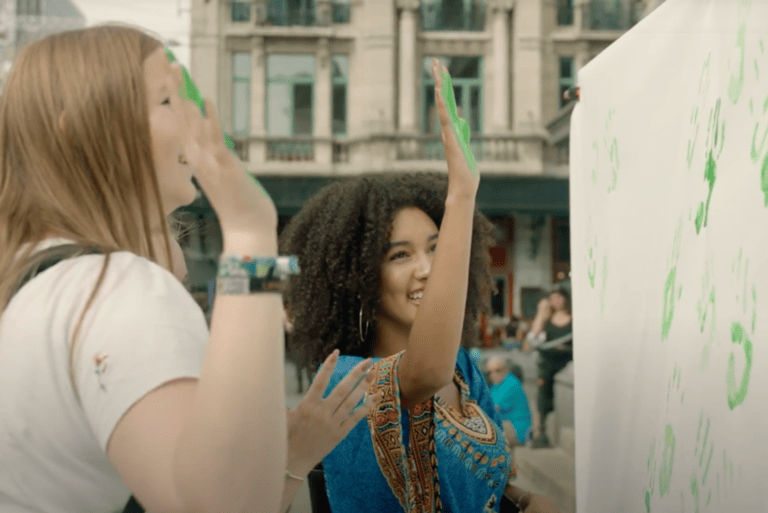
(395, 268)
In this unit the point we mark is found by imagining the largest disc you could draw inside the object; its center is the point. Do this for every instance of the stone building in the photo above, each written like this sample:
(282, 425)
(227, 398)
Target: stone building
(21, 21)
(315, 90)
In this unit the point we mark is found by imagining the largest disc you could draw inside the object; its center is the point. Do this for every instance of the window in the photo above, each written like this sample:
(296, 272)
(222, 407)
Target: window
(28, 8)
(567, 77)
(466, 15)
(339, 74)
(291, 12)
(340, 11)
(290, 94)
(241, 10)
(564, 12)
(241, 93)
(467, 89)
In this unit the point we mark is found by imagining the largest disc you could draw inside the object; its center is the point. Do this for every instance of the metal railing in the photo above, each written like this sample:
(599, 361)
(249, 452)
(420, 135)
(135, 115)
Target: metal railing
(610, 15)
(464, 15)
(484, 147)
(495, 148)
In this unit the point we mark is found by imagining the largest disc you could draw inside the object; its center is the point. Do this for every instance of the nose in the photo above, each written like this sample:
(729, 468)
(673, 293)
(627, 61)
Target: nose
(423, 266)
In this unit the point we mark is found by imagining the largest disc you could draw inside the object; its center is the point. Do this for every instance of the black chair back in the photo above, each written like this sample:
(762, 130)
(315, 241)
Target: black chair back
(317, 494)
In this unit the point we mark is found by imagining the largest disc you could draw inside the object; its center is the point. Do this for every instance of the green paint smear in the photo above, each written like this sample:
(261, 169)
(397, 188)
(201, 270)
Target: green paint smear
(189, 91)
(460, 127)
(647, 501)
(738, 393)
(667, 461)
(695, 493)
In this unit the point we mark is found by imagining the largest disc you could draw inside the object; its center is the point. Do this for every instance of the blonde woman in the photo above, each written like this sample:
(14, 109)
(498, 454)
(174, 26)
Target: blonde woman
(110, 382)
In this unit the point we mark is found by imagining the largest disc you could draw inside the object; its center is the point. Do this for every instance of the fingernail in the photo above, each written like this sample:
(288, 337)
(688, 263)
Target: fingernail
(334, 355)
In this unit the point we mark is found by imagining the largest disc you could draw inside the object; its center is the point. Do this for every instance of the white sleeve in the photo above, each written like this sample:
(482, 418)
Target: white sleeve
(142, 330)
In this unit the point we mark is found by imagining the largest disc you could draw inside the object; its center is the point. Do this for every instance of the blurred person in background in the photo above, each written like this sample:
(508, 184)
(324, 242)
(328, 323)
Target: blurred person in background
(510, 400)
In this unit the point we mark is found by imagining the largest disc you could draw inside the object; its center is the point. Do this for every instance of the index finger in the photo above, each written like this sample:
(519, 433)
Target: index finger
(323, 376)
(213, 118)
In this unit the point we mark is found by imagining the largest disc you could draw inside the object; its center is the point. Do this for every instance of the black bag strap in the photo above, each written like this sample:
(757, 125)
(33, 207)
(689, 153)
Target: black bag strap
(44, 260)
(47, 258)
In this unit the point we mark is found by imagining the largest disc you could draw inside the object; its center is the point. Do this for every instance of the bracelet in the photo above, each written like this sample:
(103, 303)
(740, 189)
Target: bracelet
(289, 474)
(520, 500)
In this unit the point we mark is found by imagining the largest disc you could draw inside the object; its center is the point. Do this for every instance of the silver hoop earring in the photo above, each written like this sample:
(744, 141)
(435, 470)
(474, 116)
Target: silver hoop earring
(360, 326)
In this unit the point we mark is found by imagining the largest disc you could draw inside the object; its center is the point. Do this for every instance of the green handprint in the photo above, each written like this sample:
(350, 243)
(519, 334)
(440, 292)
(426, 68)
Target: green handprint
(674, 383)
(703, 455)
(668, 307)
(737, 393)
(756, 152)
(705, 307)
(611, 148)
(736, 82)
(651, 475)
(703, 88)
(667, 461)
(715, 143)
(460, 127)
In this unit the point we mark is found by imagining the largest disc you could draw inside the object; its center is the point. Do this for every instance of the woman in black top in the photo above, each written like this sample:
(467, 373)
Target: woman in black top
(553, 318)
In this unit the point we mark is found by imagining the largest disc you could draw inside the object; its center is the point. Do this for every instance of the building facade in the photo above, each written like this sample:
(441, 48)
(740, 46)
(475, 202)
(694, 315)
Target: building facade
(22, 21)
(316, 90)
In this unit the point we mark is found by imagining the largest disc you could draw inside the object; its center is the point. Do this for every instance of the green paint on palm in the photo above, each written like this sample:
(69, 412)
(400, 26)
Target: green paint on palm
(460, 126)
(189, 91)
(715, 144)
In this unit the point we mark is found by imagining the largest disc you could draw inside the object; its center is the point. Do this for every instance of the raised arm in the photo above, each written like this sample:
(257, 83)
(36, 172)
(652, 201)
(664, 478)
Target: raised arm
(429, 361)
(218, 443)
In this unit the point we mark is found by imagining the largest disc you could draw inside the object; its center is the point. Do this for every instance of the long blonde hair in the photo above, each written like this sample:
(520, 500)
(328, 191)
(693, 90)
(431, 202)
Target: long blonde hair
(88, 176)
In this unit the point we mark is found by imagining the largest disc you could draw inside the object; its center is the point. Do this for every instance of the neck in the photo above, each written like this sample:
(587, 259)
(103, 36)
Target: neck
(390, 339)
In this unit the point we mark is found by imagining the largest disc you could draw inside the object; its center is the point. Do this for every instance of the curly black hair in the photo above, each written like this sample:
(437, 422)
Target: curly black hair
(339, 238)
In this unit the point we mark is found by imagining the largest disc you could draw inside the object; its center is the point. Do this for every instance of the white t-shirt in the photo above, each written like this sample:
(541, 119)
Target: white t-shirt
(142, 330)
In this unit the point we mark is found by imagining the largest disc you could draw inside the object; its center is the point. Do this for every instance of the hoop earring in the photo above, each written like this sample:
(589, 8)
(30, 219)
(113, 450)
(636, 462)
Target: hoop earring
(363, 334)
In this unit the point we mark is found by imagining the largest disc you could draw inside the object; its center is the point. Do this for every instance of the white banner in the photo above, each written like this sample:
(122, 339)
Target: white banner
(669, 219)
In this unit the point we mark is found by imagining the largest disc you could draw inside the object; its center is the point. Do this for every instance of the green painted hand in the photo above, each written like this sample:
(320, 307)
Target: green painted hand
(460, 127)
(189, 91)
(757, 151)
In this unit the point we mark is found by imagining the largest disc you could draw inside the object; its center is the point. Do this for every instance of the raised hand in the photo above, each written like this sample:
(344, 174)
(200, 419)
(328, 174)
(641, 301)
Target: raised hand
(463, 174)
(241, 203)
(317, 425)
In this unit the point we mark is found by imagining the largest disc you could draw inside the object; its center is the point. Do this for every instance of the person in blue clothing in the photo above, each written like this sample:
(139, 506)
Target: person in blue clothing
(395, 269)
(510, 400)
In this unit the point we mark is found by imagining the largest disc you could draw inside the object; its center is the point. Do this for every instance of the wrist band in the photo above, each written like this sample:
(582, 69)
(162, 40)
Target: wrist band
(248, 275)
(520, 500)
(290, 475)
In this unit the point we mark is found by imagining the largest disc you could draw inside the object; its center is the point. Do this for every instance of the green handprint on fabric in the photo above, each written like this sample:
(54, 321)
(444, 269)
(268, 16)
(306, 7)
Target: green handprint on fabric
(736, 81)
(460, 126)
(715, 143)
(611, 148)
(747, 298)
(704, 80)
(671, 293)
(757, 151)
(705, 309)
(667, 461)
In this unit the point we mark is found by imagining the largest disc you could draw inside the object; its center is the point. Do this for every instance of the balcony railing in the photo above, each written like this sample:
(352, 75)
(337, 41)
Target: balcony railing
(484, 147)
(402, 147)
(610, 15)
(464, 15)
(286, 13)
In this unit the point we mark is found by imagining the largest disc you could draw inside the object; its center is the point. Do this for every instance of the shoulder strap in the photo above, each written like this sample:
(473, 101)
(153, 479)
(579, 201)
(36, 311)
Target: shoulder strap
(47, 258)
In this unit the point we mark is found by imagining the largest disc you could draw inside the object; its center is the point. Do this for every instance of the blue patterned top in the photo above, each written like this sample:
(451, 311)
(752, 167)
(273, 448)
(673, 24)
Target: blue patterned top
(430, 459)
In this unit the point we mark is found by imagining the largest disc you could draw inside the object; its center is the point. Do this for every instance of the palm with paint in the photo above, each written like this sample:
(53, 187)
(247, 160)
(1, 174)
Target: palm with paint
(463, 175)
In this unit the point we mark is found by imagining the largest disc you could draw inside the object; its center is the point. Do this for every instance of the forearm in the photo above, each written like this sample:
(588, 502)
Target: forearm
(231, 454)
(436, 333)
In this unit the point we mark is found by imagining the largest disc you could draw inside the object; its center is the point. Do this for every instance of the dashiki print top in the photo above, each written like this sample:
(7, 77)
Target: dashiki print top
(431, 459)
